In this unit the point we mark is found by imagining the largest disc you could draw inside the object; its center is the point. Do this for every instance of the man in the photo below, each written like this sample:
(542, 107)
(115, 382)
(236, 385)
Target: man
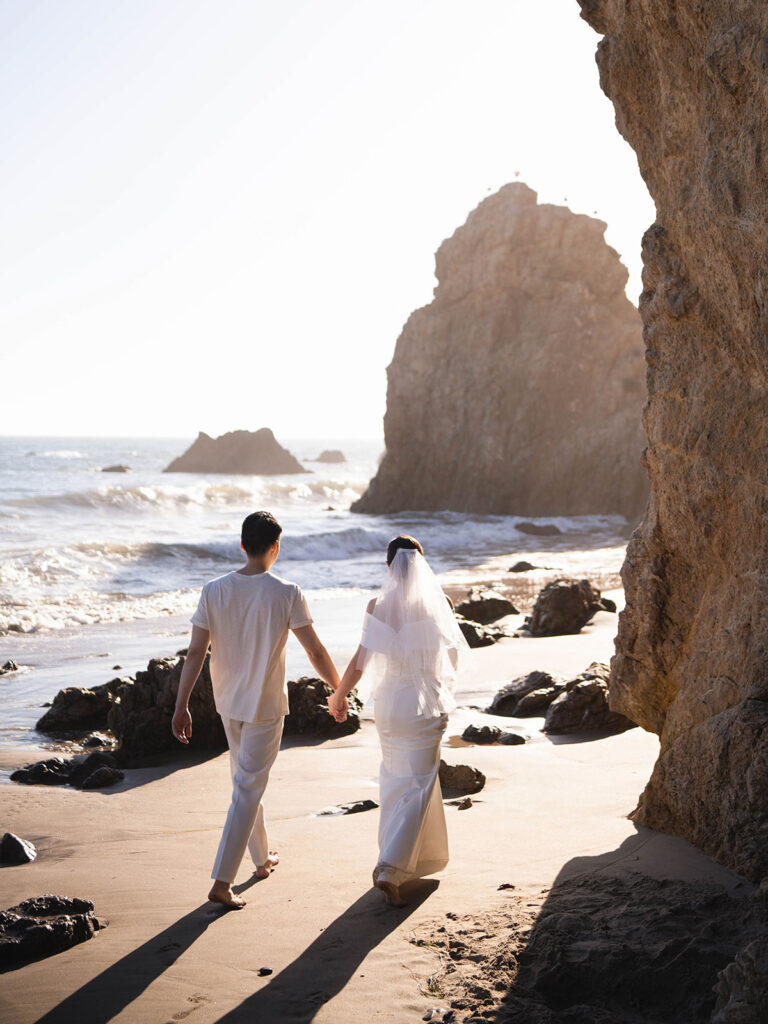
(246, 616)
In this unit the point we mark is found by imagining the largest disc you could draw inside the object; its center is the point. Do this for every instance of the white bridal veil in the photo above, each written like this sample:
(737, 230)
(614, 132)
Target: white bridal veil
(412, 635)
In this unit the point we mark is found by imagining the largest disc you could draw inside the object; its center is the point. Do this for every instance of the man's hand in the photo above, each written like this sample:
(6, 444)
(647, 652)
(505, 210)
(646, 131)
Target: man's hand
(338, 707)
(181, 725)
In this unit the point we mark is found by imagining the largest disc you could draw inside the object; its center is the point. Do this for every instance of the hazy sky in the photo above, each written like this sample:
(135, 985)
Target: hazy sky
(218, 215)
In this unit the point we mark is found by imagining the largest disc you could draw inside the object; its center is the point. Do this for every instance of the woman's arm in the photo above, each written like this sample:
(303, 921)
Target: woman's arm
(337, 702)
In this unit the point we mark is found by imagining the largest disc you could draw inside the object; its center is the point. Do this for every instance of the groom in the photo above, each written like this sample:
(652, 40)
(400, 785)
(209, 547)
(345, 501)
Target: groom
(246, 616)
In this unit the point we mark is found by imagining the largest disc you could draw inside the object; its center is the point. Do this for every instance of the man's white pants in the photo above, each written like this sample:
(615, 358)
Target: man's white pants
(253, 747)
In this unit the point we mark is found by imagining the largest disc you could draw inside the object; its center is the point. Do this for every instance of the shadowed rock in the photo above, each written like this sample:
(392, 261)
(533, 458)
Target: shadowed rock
(521, 567)
(583, 705)
(485, 606)
(477, 635)
(564, 607)
(96, 771)
(308, 714)
(460, 778)
(689, 88)
(8, 667)
(539, 529)
(44, 925)
(140, 716)
(239, 451)
(508, 699)
(77, 709)
(534, 359)
(482, 734)
(15, 850)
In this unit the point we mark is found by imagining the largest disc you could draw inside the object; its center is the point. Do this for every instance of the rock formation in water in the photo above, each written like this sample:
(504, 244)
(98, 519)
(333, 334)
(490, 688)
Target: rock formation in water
(239, 451)
(519, 389)
(690, 86)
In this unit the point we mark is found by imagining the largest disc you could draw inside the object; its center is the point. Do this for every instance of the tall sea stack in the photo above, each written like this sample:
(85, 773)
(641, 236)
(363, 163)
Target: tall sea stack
(519, 388)
(690, 86)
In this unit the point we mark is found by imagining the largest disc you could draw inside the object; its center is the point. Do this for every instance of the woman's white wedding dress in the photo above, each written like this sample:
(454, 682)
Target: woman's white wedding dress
(410, 650)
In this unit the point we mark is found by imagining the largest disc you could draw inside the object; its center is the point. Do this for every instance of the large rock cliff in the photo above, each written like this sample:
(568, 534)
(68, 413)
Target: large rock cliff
(690, 86)
(519, 389)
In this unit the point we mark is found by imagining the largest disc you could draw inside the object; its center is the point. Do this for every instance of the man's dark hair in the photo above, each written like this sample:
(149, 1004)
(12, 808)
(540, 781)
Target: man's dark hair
(403, 541)
(259, 533)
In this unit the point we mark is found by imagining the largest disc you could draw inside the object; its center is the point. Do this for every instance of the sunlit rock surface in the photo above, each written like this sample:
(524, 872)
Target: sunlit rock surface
(690, 86)
(519, 389)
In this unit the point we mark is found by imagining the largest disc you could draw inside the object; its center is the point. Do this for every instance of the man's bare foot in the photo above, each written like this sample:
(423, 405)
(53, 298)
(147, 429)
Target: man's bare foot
(263, 870)
(391, 893)
(221, 892)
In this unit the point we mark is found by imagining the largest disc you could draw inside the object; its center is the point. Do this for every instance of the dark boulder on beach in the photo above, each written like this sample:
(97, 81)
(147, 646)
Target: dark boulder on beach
(331, 455)
(44, 925)
(521, 567)
(479, 636)
(239, 451)
(96, 771)
(141, 714)
(583, 706)
(564, 606)
(509, 697)
(460, 778)
(77, 709)
(8, 667)
(481, 734)
(308, 710)
(484, 606)
(15, 850)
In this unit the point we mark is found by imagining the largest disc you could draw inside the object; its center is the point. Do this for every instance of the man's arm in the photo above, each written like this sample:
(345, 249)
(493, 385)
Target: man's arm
(181, 724)
(319, 658)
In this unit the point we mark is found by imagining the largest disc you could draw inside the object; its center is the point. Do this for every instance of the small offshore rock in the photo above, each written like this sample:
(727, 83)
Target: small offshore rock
(521, 567)
(9, 666)
(239, 451)
(484, 606)
(460, 778)
(539, 529)
(483, 734)
(15, 850)
(117, 468)
(44, 925)
(331, 455)
(511, 739)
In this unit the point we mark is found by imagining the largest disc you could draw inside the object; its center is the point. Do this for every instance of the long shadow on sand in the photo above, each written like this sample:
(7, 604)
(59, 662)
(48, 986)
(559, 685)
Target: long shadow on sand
(108, 994)
(296, 994)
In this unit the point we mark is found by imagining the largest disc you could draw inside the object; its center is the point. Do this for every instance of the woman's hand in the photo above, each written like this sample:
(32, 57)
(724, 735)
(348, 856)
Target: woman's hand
(337, 706)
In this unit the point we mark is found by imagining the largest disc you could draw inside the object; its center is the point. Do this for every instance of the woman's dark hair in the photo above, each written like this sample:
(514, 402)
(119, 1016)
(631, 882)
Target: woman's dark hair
(260, 531)
(403, 541)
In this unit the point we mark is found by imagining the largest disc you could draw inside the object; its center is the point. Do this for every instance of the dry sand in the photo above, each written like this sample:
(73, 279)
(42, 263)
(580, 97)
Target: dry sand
(143, 850)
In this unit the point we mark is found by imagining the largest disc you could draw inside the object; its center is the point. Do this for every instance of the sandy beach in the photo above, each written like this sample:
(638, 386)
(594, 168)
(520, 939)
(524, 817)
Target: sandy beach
(142, 852)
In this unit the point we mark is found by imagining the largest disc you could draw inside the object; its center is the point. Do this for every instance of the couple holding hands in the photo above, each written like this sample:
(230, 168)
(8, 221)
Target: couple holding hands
(408, 656)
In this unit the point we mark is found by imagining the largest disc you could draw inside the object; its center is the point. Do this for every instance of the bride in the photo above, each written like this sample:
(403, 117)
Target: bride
(408, 655)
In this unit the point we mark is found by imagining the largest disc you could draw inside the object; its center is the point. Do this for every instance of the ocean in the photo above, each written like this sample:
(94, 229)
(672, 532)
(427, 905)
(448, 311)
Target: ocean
(101, 571)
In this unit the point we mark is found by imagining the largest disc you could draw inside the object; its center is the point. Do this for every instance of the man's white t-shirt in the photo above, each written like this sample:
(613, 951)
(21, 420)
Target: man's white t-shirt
(248, 618)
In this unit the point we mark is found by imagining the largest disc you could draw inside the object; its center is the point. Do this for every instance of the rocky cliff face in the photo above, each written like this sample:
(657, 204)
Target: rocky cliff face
(690, 87)
(519, 389)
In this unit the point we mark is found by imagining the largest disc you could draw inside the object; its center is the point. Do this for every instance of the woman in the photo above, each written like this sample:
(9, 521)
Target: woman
(409, 654)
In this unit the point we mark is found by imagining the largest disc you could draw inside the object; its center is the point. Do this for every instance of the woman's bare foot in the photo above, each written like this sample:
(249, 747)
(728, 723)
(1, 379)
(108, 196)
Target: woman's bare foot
(263, 870)
(221, 892)
(391, 893)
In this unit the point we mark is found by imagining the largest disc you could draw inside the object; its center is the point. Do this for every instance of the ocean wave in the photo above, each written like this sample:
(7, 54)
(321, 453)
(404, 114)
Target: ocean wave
(91, 609)
(169, 497)
(58, 453)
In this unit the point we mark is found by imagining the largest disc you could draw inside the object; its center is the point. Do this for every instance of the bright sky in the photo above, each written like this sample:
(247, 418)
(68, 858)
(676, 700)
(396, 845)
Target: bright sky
(218, 214)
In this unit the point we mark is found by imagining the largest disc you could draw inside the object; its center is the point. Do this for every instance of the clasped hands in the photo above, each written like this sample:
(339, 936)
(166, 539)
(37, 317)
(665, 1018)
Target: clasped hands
(338, 707)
